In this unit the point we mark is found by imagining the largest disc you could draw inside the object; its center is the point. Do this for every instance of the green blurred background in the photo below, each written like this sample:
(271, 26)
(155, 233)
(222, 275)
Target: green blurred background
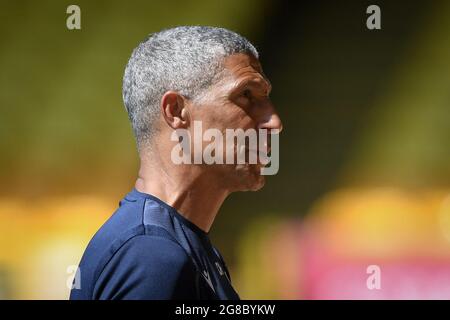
(366, 119)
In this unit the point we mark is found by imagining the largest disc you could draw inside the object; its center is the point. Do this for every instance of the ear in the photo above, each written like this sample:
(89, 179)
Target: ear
(174, 110)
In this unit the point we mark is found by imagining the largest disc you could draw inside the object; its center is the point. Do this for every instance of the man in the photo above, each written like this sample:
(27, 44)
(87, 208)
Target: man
(156, 245)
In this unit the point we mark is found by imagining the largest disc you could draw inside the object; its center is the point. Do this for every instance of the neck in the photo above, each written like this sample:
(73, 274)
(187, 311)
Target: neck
(184, 187)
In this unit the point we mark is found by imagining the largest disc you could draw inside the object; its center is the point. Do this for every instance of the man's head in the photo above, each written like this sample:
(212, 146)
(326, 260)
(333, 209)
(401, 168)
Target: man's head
(210, 75)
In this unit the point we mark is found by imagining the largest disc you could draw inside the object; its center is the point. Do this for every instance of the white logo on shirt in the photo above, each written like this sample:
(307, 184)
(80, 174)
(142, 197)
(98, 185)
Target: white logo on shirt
(205, 275)
(219, 268)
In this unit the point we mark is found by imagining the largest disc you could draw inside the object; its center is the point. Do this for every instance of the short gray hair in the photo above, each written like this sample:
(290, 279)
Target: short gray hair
(185, 59)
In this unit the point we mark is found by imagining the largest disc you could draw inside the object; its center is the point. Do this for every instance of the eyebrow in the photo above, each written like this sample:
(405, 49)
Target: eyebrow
(258, 82)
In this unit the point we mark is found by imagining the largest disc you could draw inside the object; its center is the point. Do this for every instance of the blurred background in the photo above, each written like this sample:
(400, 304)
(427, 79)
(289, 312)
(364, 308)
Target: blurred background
(364, 176)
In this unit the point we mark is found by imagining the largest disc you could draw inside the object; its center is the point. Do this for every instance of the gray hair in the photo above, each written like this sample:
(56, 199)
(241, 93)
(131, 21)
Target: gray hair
(185, 59)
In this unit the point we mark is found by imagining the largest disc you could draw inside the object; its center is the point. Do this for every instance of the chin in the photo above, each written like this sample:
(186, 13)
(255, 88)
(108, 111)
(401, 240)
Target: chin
(250, 178)
(259, 185)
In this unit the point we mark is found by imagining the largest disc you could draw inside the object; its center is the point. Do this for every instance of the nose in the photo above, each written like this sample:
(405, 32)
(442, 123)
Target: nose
(272, 122)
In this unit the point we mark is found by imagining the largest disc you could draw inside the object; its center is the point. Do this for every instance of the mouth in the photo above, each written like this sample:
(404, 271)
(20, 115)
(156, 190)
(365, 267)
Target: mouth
(262, 157)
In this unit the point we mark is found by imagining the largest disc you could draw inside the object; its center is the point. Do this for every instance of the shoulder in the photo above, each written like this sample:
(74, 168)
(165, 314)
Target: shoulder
(147, 267)
(152, 248)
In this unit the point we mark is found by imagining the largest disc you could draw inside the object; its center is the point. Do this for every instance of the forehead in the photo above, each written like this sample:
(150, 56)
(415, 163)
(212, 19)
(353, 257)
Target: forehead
(241, 63)
(240, 67)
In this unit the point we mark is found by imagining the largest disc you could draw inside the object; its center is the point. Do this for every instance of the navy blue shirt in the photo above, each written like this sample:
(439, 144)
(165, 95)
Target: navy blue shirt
(147, 250)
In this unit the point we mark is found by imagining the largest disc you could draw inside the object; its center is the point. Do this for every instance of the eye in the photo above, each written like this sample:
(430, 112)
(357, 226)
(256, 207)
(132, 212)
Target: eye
(247, 94)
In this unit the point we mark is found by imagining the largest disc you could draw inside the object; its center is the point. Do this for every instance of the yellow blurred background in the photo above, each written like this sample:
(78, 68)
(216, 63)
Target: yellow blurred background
(365, 159)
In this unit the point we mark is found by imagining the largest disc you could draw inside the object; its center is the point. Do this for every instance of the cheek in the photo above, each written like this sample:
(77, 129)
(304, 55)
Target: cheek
(208, 117)
(224, 116)
(237, 117)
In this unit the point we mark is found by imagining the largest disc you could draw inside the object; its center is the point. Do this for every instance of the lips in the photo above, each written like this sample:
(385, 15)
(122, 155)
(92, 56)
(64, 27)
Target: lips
(262, 157)
(255, 153)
